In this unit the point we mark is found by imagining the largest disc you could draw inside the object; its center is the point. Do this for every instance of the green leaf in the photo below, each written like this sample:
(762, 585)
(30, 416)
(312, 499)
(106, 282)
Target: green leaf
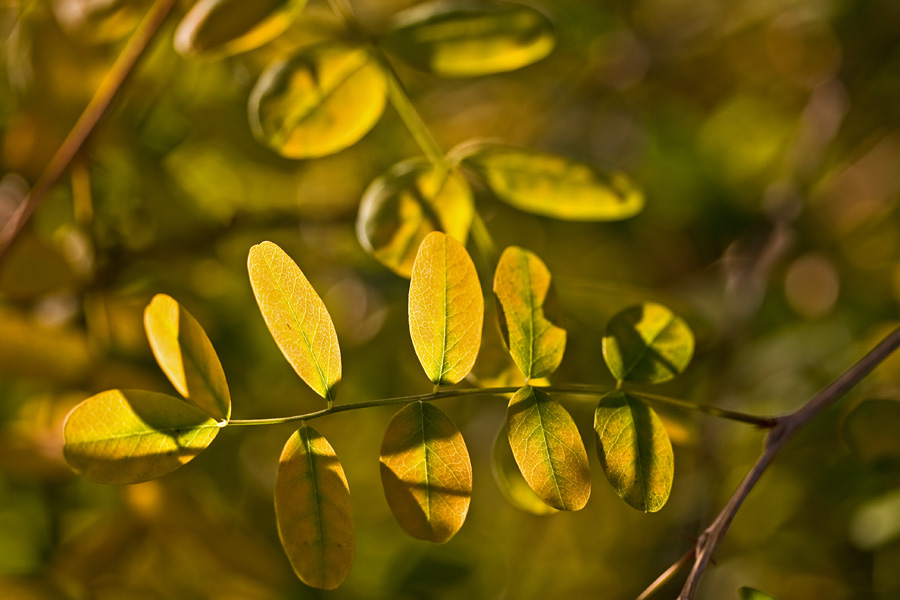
(313, 511)
(871, 430)
(446, 309)
(216, 28)
(426, 472)
(634, 450)
(548, 449)
(460, 39)
(647, 343)
(318, 102)
(407, 203)
(522, 285)
(129, 436)
(296, 317)
(186, 356)
(510, 481)
(553, 186)
(748, 593)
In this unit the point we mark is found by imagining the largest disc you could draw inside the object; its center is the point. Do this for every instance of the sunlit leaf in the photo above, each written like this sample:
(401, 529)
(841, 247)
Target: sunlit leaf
(553, 186)
(634, 450)
(647, 343)
(318, 102)
(748, 593)
(510, 481)
(96, 22)
(129, 436)
(548, 449)
(407, 203)
(446, 309)
(296, 317)
(460, 39)
(186, 356)
(873, 430)
(426, 472)
(522, 285)
(312, 508)
(217, 28)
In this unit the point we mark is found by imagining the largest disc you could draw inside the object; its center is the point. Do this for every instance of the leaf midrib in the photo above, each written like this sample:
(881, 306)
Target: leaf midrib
(646, 349)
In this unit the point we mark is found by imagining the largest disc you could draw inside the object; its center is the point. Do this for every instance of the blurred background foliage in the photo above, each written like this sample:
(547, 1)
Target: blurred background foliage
(766, 136)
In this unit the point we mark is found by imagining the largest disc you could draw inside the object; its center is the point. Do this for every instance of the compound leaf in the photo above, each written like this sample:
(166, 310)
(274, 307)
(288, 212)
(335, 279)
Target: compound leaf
(129, 436)
(186, 356)
(635, 451)
(522, 285)
(548, 449)
(426, 472)
(296, 317)
(313, 511)
(647, 343)
(446, 309)
(510, 481)
(407, 203)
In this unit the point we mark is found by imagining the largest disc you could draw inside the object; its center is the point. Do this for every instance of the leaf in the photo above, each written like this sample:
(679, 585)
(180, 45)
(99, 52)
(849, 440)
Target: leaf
(216, 28)
(871, 430)
(458, 39)
(296, 317)
(186, 356)
(129, 436)
(553, 186)
(647, 344)
(446, 309)
(634, 450)
(426, 472)
(548, 449)
(522, 285)
(407, 203)
(748, 593)
(510, 481)
(313, 511)
(320, 101)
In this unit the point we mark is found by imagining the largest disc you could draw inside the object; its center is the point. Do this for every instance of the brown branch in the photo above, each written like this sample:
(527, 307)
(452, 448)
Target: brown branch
(87, 122)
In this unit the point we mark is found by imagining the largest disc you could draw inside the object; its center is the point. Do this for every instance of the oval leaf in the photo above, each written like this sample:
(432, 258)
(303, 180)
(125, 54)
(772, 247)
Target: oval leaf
(510, 481)
(522, 285)
(318, 102)
(647, 343)
(871, 430)
(748, 593)
(215, 28)
(548, 449)
(129, 436)
(446, 309)
(296, 317)
(407, 203)
(634, 450)
(426, 472)
(459, 39)
(553, 186)
(313, 512)
(186, 356)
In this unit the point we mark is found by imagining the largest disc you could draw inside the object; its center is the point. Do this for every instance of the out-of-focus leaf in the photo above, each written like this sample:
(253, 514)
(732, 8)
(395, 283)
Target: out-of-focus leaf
(522, 285)
(186, 356)
(98, 22)
(216, 28)
(426, 472)
(634, 450)
(467, 39)
(647, 343)
(748, 593)
(553, 186)
(446, 309)
(872, 429)
(296, 317)
(318, 102)
(129, 436)
(407, 203)
(42, 353)
(510, 481)
(548, 449)
(312, 508)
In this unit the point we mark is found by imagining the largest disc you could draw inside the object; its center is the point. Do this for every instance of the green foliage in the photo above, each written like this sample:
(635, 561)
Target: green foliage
(748, 593)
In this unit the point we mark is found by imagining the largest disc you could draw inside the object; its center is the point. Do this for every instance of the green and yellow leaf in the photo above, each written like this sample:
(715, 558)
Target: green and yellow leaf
(129, 436)
(446, 309)
(426, 472)
(635, 451)
(510, 481)
(296, 317)
(647, 343)
(748, 593)
(313, 511)
(548, 449)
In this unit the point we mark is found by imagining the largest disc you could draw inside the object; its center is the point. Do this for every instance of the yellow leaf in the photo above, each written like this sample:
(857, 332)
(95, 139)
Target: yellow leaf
(510, 480)
(296, 317)
(446, 309)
